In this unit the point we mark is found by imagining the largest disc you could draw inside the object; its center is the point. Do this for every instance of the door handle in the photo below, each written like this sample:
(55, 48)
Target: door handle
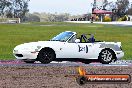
(90, 45)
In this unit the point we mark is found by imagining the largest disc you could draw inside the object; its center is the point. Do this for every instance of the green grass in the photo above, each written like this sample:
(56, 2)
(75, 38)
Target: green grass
(14, 34)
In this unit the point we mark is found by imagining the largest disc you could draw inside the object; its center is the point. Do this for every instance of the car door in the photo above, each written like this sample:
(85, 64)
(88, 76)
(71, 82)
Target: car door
(85, 50)
(77, 50)
(69, 50)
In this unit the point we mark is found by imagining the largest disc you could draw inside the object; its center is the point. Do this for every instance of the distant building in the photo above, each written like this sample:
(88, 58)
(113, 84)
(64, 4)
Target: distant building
(10, 20)
(129, 17)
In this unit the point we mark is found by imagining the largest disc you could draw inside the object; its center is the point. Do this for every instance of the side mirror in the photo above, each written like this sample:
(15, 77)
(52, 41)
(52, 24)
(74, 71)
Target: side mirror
(77, 40)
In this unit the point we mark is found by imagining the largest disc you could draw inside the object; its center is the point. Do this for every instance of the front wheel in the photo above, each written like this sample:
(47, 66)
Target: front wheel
(29, 61)
(46, 56)
(106, 56)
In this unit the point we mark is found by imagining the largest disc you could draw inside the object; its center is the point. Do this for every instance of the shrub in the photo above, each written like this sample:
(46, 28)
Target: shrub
(106, 19)
(124, 18)
(120, 19)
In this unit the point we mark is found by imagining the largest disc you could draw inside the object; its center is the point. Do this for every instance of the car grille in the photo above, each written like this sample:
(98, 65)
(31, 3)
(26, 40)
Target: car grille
(19, 55)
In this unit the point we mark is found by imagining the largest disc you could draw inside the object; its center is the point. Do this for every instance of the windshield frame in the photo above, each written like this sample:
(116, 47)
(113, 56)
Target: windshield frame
(63, 36)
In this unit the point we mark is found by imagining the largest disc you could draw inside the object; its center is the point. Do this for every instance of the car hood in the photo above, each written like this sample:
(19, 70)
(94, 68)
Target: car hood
(35, 45)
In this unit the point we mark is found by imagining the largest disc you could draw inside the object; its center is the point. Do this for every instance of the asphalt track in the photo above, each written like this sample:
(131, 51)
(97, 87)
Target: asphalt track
(14, 63)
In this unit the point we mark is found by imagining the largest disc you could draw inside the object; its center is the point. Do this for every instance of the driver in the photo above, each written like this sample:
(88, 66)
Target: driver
(91, 39)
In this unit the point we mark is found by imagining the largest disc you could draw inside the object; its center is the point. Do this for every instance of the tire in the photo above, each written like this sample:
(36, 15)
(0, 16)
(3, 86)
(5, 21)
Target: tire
(81, 80)
(86, 62)
(46, 56)
(106, 56)
(29, 61)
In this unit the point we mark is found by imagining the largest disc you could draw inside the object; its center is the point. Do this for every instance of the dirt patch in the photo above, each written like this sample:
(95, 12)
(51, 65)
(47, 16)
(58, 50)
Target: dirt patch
(55, 77)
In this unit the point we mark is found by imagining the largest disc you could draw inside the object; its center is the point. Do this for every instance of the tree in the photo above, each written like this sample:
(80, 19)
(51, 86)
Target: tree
(48, 17)
(105, 3)
(129, 12)
(111, 6)
(32, 18)
(14, 8)
(20, 8)
(4, 4)
(122, 6)
(108, 5)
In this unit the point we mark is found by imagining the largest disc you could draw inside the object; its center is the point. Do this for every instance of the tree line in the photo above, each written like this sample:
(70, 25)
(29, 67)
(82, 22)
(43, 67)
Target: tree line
(14, 8)
(49, 17)
(120, 7)
(19, 9)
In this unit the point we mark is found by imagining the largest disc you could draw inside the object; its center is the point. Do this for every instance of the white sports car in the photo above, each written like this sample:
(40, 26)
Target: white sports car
(67, 47)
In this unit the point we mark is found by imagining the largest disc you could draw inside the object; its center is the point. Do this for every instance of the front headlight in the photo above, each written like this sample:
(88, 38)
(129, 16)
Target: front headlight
(37, 49)
(15, 51)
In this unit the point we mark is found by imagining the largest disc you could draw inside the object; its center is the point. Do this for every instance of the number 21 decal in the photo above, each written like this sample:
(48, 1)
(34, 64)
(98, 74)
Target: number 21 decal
(83, 48)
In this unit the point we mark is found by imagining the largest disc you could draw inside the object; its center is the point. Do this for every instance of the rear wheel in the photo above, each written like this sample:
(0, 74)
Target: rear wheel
(45, 56)
(106, 56)
(86, 61)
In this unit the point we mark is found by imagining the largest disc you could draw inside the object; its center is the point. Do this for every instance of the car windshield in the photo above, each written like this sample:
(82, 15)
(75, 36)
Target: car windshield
(64, 36)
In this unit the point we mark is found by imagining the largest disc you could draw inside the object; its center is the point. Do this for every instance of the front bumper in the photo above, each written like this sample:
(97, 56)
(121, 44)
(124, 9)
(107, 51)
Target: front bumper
(119, 55)
(21, 55)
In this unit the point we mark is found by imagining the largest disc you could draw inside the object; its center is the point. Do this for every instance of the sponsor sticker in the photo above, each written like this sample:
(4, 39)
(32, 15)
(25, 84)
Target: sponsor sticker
(101, 78)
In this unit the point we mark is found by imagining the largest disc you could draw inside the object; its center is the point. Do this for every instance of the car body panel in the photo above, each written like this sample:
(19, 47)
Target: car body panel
(67, 49)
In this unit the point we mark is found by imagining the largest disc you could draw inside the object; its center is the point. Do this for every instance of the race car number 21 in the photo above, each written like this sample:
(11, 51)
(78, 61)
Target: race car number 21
(83, 48)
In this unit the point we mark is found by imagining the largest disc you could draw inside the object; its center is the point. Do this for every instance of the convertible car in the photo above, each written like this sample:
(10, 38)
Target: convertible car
(67, 47)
